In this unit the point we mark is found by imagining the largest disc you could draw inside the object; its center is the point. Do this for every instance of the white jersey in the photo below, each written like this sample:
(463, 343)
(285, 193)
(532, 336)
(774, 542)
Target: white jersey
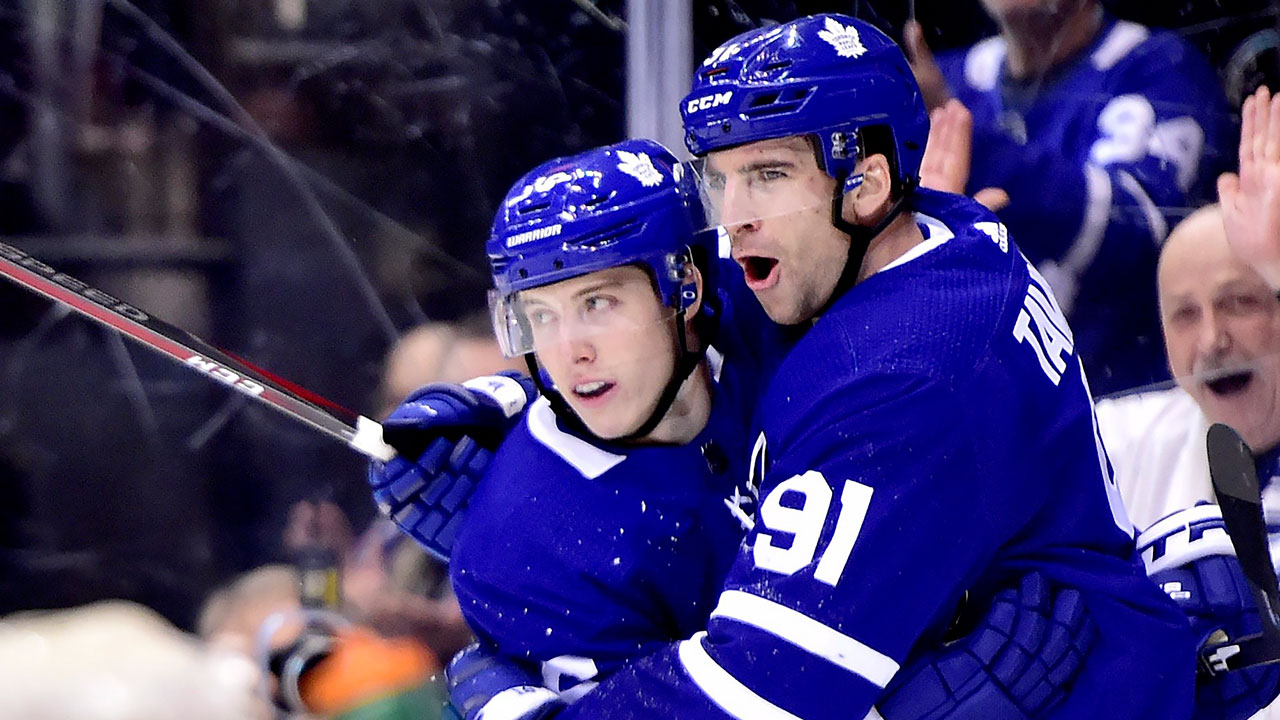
(1156, 442)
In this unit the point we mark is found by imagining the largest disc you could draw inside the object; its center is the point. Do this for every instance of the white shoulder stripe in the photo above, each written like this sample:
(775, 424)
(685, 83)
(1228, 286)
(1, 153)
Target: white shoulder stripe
(807, 634)
(1123, 38)
(939, 234)
(983, 62)
(586, 458)
(724, 689)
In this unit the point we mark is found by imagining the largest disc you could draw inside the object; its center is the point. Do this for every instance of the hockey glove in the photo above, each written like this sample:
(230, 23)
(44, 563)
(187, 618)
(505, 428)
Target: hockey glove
(1189, 555)
(481, 682)
(1018, 663)
(445, 435)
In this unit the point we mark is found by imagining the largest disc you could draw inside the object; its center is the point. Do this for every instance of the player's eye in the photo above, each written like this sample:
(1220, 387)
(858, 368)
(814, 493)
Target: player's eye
(769, 174)
(597, 304)
(541, 317)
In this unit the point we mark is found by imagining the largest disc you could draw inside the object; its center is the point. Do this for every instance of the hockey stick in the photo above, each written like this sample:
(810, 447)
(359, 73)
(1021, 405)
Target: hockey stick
(1235, 482)
(357, 431)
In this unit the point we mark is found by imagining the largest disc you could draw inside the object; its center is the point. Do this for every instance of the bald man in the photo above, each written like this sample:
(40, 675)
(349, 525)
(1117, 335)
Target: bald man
(1221, 323)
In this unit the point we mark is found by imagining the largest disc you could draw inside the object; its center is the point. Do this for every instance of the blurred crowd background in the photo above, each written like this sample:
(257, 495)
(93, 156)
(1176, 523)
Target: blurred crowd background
(307, 184)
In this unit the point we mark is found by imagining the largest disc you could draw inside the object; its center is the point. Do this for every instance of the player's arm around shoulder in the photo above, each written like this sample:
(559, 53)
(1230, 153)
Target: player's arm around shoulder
(884, 452)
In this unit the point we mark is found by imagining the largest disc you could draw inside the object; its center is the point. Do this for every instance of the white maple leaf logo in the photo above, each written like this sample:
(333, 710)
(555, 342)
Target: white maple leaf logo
(844, 39)
(640, 167)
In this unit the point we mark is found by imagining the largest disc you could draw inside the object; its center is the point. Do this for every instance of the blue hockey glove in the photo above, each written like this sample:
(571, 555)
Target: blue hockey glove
(481, 682)
(1189, 555)
(1018, 663)
(444, 435)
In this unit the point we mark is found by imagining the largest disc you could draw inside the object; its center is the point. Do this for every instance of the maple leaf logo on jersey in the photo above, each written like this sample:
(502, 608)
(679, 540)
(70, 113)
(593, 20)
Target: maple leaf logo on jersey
(640, 167)
(844, 39)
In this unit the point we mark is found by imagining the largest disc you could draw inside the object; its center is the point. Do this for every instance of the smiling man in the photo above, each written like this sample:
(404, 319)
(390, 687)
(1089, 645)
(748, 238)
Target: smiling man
(1222, 332)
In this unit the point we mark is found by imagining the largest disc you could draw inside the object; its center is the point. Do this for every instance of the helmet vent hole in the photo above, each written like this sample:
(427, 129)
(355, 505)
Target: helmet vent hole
(524, 273)
(533, 207)
(775, 66)
(777, 102)
(713, 72)
(558, 264)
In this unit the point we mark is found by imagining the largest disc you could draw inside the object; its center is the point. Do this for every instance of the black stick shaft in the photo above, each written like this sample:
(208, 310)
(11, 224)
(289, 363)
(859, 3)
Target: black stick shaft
(357, 431)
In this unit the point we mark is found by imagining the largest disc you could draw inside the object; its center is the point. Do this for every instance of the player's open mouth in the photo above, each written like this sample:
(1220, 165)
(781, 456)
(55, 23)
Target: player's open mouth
(761, 272)
(1228, 382)
(593, 389)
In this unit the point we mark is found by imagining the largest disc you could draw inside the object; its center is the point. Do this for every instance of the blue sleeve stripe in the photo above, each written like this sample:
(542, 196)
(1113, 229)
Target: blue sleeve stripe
(807, 634)
(1123, 38)
(724, 689)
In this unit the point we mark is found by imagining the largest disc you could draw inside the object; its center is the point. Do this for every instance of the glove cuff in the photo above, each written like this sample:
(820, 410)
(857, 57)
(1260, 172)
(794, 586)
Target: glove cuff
(510, 391)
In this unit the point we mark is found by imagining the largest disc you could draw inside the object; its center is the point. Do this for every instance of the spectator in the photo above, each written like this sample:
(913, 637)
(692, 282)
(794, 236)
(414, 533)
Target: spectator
(1125, 120)
(1222, 331)
(440, 352)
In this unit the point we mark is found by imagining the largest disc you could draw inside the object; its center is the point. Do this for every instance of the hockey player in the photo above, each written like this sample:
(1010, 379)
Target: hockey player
(601, 531)
(935, 381)
(610, 514)
(1100, 131)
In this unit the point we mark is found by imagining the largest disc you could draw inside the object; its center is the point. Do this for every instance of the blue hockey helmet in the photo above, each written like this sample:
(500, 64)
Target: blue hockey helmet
(830, 76)
(622, 204)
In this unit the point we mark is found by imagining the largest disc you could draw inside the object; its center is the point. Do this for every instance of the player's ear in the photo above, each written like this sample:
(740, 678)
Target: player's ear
(695, 278)
(869, 201)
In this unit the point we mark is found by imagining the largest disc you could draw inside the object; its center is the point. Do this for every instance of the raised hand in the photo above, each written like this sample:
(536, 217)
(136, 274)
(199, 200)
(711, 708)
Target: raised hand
(1250, 199)
(949, 152)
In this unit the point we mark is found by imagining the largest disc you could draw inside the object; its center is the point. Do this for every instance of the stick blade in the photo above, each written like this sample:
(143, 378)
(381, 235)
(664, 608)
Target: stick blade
(1235, 482)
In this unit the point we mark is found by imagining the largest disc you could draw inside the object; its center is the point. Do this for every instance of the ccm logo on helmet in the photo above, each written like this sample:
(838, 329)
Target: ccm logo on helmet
(706, 102)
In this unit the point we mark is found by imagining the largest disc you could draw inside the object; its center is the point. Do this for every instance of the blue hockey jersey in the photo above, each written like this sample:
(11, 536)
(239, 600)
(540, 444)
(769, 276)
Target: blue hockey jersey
(1100, 158)
(578, 554)
(931, 435)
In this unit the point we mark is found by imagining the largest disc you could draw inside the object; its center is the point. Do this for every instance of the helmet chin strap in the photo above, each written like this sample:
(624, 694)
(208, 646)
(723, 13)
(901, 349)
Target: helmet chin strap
(860, 236)
(686, 362)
